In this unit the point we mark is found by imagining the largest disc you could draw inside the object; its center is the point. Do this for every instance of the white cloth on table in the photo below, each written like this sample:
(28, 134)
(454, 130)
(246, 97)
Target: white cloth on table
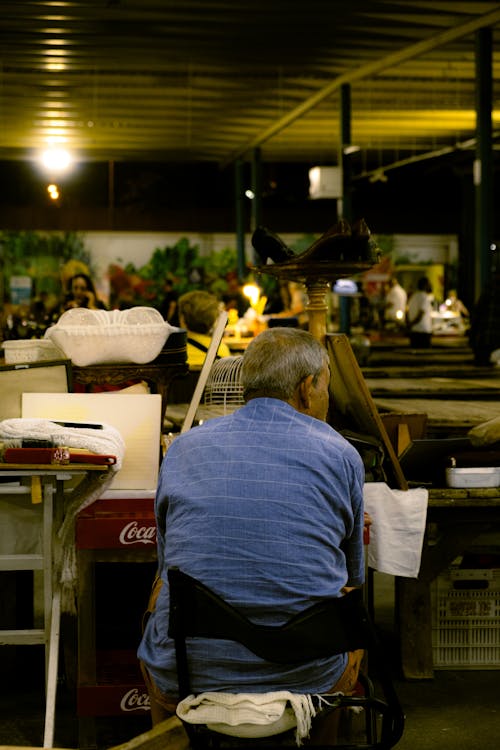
(397, 530)
(107, 441)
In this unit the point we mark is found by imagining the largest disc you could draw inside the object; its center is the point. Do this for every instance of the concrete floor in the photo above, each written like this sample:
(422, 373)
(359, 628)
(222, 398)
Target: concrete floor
(457, 710)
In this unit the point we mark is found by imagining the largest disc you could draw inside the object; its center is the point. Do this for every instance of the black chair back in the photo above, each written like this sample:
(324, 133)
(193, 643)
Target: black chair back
(331, 626)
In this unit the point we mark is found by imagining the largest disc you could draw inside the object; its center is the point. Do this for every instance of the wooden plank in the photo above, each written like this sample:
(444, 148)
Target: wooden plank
(416, 424)
(29, 637)
(353, 405)
(21, 562)
(210, 356)
(403, 437)
(445, 412)
(413, 598)
(393, 386)
(167, 735)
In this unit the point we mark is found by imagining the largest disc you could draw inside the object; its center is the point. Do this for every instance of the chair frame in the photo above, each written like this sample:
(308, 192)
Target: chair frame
(332, 626)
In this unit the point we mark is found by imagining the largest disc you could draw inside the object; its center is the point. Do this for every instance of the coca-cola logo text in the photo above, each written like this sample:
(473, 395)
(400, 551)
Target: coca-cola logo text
(132, 533)
(135, 701)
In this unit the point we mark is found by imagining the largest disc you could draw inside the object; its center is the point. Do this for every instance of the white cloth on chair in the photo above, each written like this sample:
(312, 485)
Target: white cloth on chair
(274, 712)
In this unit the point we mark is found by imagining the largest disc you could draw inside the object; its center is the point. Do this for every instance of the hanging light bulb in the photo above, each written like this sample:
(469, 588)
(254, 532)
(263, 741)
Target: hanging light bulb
(56, 159)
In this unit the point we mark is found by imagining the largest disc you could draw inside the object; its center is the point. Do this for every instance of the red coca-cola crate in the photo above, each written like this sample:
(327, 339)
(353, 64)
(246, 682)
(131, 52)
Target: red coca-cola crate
(117, 522)
(119, 688)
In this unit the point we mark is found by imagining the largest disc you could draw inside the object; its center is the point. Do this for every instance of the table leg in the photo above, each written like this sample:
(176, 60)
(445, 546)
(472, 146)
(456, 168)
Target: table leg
(52, 596)
(86, 658)
(414, 612)
(51, 689)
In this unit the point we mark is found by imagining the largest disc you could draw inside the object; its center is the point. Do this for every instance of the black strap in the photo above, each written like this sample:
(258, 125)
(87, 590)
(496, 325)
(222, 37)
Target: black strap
(200, 346)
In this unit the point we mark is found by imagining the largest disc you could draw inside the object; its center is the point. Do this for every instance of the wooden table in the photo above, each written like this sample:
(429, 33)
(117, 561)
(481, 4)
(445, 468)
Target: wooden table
(46, 485)
(460, 516)
(237, 344)
(446, 417)
(440, 387)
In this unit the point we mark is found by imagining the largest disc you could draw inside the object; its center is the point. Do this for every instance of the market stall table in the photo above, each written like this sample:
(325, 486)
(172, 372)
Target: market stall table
(460, 516)
(446, 417)
(237, 344)
(46, 485)
(440, 387)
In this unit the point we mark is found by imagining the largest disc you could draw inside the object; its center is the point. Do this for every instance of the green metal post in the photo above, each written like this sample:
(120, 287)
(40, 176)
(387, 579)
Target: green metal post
(239, 198)
(483, 177)
(345, 140)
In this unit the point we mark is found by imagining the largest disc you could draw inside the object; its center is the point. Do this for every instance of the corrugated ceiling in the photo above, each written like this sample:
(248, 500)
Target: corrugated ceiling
(212, 79)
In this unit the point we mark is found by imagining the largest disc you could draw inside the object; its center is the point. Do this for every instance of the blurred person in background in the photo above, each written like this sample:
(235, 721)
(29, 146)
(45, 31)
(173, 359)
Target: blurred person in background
(419, 315)
(169, 305)
(198, 312)
(455, 305)
(395, 305)
(81, 293)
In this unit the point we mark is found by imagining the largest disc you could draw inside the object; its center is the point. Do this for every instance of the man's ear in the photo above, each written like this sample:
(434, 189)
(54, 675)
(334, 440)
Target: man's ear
(304, 393)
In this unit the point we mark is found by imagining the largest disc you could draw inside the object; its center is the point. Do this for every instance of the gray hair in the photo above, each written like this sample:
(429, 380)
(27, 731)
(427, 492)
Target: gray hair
(278, 359)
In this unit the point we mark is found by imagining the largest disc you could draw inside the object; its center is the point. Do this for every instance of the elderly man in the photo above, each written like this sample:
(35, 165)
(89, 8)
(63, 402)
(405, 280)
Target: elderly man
(265, 507)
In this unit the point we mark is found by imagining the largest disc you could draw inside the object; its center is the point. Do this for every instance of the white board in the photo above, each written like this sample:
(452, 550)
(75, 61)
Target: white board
(136, 416)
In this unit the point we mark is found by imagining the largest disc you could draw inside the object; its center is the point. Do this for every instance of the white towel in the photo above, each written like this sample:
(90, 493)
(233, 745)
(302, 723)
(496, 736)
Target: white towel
(235, 709)
(105, 441)
(397, 530)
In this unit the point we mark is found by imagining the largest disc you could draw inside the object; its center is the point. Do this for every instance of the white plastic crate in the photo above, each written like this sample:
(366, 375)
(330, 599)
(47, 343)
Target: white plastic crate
(466, 619)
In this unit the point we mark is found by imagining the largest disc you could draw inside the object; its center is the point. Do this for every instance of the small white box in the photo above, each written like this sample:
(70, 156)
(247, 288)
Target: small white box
(30, 350)
(480, 476)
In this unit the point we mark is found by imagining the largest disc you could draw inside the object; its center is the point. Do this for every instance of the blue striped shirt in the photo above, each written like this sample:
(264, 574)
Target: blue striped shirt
(265, 506)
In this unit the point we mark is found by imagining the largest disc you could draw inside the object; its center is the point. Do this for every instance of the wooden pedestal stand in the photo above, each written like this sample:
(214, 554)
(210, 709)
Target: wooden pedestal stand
(316, 276)
(350, 393)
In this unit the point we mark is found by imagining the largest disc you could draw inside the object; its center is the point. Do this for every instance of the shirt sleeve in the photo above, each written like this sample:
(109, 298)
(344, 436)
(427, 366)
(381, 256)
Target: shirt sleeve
(161, 508)
(354, 547)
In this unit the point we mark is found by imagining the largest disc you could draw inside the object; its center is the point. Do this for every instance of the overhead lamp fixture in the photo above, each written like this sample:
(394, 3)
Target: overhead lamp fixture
(56, 159)
(250, 194)
(351, 149)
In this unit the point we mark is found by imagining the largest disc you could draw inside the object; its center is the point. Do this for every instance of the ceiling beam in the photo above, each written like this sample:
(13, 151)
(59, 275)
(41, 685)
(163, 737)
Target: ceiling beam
(372, 68)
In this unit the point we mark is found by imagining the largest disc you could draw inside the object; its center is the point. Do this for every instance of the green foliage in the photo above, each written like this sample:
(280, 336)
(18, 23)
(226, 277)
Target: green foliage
(40, 256)
(182, 263)
(219, 268)
(18, 249)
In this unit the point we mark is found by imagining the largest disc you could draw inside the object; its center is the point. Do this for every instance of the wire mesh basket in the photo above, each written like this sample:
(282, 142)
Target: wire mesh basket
(224, 386)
